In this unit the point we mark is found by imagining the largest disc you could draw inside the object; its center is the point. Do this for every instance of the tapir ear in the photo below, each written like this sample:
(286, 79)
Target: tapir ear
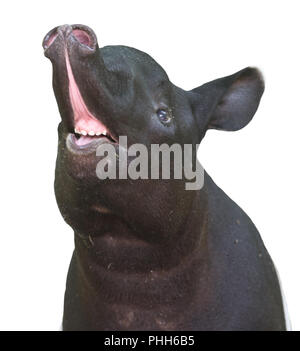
(231, 102)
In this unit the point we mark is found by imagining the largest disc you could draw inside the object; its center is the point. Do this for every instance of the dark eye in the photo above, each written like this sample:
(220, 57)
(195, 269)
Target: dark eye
(164, 115)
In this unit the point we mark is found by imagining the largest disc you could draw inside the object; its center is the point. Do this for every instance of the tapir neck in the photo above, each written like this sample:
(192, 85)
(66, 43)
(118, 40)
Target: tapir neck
(113, 282)
(111, 256)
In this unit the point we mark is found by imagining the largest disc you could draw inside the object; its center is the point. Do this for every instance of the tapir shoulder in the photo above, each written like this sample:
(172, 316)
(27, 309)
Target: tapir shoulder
(227, 219)
(247, 279)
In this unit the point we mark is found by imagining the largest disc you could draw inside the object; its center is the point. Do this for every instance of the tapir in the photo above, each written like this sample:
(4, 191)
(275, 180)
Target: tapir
(150, 254)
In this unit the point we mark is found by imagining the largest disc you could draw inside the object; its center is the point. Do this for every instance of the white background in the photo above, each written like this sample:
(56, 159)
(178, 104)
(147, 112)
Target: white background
(195, 41)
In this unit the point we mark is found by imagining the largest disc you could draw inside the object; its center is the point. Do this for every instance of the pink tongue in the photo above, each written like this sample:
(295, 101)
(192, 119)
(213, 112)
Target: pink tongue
(83, 140)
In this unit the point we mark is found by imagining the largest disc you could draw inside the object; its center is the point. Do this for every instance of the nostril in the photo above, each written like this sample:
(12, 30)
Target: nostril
(83, 37)
(77, 33)
(49, 38)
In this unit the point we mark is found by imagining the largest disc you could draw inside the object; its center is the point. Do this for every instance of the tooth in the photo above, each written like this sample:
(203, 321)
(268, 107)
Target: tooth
(77, 131)
(91, 133)
(83, 132)
(98, 133)
(104, 133)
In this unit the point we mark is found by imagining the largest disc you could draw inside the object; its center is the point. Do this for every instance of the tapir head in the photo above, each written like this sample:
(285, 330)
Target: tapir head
(115, 91)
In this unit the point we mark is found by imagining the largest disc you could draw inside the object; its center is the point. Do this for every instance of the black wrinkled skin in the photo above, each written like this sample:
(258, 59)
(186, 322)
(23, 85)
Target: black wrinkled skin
(150, 255)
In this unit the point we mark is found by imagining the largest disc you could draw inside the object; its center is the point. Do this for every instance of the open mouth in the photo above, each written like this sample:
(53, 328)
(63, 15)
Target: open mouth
(87, 128)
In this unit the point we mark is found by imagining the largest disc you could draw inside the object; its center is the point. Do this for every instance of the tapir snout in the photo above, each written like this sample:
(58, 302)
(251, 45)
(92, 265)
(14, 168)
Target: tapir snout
(82, 84)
